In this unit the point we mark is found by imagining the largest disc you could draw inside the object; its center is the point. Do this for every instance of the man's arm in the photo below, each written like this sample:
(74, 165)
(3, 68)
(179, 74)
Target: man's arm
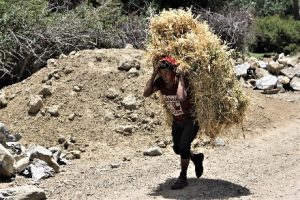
(181, 90)
(149, 89)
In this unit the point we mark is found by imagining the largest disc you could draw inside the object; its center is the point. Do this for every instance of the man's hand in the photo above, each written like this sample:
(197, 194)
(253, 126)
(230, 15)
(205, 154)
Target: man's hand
(155, 71)
(181, 90)
(149, 89)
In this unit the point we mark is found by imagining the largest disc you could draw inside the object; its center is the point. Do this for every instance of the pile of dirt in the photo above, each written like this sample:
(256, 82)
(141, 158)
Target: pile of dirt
(91, 90)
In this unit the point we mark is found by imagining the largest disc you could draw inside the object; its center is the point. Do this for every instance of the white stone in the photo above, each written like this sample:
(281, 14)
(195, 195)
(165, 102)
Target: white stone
(133, 72)
(260, 72)
(262, 64)
(39, 152)
(21, 164)
(281, 56)
(153, 151)
(77, 88)
(71, 117)
(35, 104)
(6, 162)
(291, 72)
(284, 79)
(241, 70)
(53, 110)
(267, 82)
(295, 83)
(129, 102)
(39, 169)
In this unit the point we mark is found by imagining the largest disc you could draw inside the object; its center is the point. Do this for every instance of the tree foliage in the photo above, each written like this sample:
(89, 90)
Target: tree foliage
(274, 34)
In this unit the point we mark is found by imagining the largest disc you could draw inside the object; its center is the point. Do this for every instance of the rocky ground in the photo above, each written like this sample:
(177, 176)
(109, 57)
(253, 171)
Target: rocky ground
(93, 97)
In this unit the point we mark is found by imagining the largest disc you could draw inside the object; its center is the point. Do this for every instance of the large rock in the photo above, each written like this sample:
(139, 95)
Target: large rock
(127, 62)
(291, 72)
(260, 73)
(40, 170)
(21, 165)
(241, 70)
(295, 83)
(284, 80)
(153, 151)
(35, 104)
(293, 62)
(39, 152)
(267, 82)
(27, 192)
(274, 67)
(129, 102)
(6, 163)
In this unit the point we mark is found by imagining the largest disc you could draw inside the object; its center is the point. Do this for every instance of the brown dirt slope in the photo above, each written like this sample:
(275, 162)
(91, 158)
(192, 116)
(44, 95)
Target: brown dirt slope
(270, 132)
(97, 117)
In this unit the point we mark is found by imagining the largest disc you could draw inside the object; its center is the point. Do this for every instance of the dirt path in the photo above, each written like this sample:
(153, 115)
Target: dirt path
(262, 167)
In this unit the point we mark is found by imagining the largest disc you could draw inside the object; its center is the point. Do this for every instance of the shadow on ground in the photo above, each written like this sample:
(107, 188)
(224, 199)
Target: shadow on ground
(201, 189)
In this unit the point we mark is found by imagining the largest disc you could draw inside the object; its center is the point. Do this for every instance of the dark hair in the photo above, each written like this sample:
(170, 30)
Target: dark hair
(165, 65)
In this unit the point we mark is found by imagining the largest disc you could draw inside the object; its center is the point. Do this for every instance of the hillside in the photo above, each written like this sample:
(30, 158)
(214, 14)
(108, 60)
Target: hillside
(92, 97)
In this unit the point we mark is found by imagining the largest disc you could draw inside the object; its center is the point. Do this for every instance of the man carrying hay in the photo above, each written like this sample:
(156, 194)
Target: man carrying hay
(209, 85)
(177, 98)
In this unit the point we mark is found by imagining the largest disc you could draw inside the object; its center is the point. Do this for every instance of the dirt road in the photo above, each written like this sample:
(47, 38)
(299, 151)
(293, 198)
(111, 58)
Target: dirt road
(262, 167)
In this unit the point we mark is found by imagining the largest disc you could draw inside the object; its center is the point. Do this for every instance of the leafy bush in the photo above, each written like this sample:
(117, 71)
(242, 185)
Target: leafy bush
(29, 34)
(274, 34)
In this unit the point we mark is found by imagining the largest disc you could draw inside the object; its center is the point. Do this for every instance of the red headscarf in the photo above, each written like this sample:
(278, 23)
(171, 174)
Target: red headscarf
(169, 59)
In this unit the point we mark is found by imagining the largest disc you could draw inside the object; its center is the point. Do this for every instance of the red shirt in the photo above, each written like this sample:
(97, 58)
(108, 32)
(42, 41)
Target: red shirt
(179, 110)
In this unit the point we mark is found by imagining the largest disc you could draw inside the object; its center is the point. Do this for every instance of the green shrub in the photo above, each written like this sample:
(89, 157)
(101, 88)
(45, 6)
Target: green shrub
(29, 34)
(274, 34)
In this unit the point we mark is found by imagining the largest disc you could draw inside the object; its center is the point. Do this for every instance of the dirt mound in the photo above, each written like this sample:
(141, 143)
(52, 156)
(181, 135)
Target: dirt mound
(91, 93)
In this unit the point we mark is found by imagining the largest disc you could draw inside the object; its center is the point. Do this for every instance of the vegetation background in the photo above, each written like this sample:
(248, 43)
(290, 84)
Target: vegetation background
(33, 31)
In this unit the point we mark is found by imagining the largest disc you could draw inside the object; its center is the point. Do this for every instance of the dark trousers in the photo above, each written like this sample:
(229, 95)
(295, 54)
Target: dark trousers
(183, 134)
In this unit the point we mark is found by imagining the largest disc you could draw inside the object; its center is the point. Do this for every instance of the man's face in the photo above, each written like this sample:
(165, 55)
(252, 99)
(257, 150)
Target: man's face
(167, 75)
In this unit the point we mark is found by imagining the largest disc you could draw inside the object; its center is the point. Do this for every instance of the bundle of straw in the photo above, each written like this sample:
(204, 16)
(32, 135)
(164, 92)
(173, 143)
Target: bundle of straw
(218, 98)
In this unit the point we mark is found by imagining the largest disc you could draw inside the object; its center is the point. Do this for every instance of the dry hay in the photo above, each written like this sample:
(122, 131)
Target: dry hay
(218, 97)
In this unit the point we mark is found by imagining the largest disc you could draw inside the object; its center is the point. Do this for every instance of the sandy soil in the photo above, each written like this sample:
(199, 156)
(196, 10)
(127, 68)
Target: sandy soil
(259, 161)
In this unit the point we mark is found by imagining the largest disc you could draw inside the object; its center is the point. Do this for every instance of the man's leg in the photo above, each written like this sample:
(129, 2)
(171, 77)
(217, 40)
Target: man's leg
(188, 135)
(184, 163)
(182, 180)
